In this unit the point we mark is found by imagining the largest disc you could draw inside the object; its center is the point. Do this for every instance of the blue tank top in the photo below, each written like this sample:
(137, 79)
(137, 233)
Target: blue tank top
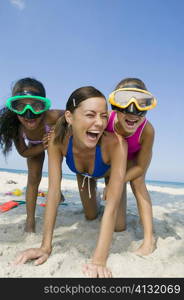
(100, 167)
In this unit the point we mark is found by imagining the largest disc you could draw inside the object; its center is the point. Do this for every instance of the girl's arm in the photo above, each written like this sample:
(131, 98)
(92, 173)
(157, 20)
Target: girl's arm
(144, 156)
(41, 254)
(30, 151)
(55, 158)
(118, 157)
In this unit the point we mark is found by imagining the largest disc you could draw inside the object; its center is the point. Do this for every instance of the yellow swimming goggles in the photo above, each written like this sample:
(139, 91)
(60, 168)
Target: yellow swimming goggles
(142, 99)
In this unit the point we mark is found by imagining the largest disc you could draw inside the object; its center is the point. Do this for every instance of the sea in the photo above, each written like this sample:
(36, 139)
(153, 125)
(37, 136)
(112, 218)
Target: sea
(154, 185)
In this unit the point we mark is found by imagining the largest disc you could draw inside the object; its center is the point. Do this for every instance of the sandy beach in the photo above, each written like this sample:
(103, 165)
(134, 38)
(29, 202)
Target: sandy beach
(75, 238)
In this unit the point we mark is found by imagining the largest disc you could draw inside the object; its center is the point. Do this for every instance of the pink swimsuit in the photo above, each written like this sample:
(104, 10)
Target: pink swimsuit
(132, 140)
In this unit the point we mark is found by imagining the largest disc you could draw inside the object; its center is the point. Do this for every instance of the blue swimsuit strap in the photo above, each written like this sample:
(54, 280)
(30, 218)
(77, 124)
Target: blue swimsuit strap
(98, 161)
(69, 156)
(70, 159)
(100, 166)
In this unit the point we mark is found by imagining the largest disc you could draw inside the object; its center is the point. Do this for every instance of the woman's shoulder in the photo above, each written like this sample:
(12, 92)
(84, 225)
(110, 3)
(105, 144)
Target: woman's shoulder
(113, 145)
(62, 145)
(112, 139)
(108, 136)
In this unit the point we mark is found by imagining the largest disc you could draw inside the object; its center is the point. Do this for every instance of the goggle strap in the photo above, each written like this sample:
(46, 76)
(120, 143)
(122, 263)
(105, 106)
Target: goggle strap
(25, 93)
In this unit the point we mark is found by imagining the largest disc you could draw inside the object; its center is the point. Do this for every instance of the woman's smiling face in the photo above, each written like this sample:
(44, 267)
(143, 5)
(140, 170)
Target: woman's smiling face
(89, 121)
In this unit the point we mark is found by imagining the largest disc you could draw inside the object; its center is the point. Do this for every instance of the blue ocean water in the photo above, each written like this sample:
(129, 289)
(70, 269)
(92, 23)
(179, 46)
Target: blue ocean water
(176, 185)
(166, 183)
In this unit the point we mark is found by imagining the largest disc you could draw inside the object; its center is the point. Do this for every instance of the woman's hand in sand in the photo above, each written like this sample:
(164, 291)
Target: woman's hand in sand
(96, 271)
(39, 254)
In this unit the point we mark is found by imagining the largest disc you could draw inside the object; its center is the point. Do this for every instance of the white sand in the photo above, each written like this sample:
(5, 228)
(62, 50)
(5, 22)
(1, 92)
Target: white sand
(75, 238)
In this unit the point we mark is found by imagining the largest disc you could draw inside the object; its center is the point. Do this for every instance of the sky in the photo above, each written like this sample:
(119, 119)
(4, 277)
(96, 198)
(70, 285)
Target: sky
(67, 44)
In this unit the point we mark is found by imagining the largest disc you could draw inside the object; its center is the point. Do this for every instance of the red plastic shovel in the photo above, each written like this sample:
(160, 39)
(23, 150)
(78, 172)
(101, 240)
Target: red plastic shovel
(9, 205)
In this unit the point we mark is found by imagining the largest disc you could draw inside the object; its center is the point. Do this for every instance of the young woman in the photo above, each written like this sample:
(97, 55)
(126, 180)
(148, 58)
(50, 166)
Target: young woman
(26, 122)
(90, 153)
(130, 102)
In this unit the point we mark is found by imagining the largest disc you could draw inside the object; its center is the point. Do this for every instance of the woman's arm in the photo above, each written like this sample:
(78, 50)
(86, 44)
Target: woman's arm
(118, 157)
(144, 156)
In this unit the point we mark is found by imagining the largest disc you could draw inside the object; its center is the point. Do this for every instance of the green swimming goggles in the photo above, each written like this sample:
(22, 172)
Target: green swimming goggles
(37, 104)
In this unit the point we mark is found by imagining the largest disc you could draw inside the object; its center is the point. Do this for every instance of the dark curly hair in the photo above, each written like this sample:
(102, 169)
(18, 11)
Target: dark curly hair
(9, 123)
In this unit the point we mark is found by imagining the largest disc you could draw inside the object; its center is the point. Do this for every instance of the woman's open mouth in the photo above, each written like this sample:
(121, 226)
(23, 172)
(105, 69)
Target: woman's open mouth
(93, 135)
